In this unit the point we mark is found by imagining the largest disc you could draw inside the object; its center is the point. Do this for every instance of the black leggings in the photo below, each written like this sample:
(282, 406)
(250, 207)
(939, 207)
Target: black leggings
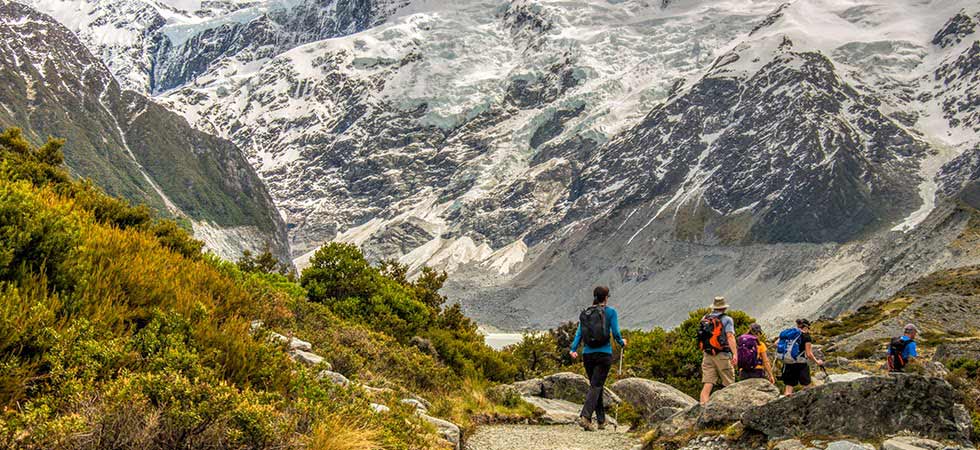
(597, 367)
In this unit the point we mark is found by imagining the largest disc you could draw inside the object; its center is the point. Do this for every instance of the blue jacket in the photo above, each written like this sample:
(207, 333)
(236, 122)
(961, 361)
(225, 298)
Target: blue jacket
(613, 319)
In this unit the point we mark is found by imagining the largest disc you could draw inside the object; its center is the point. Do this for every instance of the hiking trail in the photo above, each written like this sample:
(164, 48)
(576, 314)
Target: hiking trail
(549, 437)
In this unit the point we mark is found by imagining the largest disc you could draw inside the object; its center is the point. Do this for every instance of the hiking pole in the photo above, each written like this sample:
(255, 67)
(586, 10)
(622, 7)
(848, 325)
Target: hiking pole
(622, 356)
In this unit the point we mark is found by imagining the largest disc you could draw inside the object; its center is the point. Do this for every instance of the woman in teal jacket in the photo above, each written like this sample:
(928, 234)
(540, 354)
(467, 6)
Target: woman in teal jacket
(597, 361)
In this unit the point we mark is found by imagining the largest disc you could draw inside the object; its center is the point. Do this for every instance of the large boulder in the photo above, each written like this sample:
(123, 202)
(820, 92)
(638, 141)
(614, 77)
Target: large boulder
(573, 387)
(653, 400)
(682, 422)
(727, 405)
(448, 430)
(533, 387)
(868, 408)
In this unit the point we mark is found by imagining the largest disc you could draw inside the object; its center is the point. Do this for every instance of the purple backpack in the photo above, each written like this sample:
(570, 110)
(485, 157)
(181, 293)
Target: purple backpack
(748, 352)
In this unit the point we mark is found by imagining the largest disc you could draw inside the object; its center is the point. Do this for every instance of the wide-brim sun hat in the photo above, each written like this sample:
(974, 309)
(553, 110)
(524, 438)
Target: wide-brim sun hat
(719, 303)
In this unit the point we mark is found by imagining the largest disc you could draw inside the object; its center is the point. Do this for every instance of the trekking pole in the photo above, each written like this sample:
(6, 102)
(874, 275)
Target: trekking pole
(622, 356)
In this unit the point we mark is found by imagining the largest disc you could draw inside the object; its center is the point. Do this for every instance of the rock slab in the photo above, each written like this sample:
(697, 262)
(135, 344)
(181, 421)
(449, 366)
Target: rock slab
(727, 405)
(653, 400)
(925, 406)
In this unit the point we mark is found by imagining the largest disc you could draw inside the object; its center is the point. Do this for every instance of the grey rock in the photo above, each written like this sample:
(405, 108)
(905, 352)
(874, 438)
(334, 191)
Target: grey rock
(849, 445)
(653, 400)
(310, 359)
(927, 407)
(334, 377)
(448, 430)
(790, 444)
(573, 387)
(559, 412)
(379, 408)
(727, 405)
(556, 412)
(533, 387)
(683, 421)
(915, 443)
(419, 406)
(951, 351)
(845, 377)
(292, 343)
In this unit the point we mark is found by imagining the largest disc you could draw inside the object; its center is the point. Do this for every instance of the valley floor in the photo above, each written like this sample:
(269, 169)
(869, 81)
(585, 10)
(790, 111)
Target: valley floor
(549, 437)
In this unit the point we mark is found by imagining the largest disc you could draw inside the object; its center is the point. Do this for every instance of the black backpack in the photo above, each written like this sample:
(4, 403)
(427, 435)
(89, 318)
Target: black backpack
(896, 352)
(595, 328)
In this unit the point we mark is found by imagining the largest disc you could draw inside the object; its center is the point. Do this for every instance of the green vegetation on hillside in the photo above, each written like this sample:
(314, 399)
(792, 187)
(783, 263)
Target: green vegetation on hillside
(116, 332)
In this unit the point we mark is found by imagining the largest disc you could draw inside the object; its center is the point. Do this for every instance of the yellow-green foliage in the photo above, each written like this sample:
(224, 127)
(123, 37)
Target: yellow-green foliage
(115, 332)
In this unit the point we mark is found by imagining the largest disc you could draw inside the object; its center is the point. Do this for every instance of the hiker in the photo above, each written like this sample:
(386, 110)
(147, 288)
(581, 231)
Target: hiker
(716, 339)
(753, 361)
(794, 347)
(595, 324)
(902, 350)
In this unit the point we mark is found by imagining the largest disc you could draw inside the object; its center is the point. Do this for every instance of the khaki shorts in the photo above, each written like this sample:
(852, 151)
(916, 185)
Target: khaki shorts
(717, 367)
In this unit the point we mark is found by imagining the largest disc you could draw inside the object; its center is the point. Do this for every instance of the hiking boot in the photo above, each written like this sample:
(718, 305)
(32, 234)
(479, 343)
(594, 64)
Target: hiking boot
(601, 426)
(586, 424)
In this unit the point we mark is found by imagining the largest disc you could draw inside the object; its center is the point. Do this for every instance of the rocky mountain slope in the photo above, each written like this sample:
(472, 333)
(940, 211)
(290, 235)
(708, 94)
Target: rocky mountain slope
(156, 45)
(126, 142)
(709, 149)
(799, 157)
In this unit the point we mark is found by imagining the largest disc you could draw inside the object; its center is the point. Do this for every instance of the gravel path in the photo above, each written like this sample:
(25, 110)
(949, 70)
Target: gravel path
(549, 437)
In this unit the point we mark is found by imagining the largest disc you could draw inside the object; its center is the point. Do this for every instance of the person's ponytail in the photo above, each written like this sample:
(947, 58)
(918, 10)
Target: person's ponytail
(599, 295)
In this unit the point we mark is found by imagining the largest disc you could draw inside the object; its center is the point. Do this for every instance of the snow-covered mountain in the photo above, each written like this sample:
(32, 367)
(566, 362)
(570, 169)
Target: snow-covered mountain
(798, 156)
(128, 144)
(155, 45)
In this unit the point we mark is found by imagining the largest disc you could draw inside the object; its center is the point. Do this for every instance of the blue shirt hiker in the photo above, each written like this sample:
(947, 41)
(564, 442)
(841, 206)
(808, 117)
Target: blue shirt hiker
(613, 319)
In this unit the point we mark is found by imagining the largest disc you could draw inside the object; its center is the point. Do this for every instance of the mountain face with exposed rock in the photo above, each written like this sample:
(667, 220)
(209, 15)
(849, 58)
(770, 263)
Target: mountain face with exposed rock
(127, 143)
(798, 157)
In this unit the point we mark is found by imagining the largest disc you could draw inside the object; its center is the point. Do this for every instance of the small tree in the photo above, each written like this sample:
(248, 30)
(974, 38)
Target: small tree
(338, 271)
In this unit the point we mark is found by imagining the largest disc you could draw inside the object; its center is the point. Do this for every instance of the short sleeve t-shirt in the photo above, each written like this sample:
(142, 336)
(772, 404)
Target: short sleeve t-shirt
(726, 322)
(805, 338)
(762, 351)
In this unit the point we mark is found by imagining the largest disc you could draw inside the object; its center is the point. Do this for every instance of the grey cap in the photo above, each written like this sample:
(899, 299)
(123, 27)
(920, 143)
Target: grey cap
(911, 328)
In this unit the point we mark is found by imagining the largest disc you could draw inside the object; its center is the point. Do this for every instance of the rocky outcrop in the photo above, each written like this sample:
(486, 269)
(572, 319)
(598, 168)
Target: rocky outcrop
(926, 406)
(533, 387)
(681, 422)
(653, 400)
(727, 405)
(954, 350)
